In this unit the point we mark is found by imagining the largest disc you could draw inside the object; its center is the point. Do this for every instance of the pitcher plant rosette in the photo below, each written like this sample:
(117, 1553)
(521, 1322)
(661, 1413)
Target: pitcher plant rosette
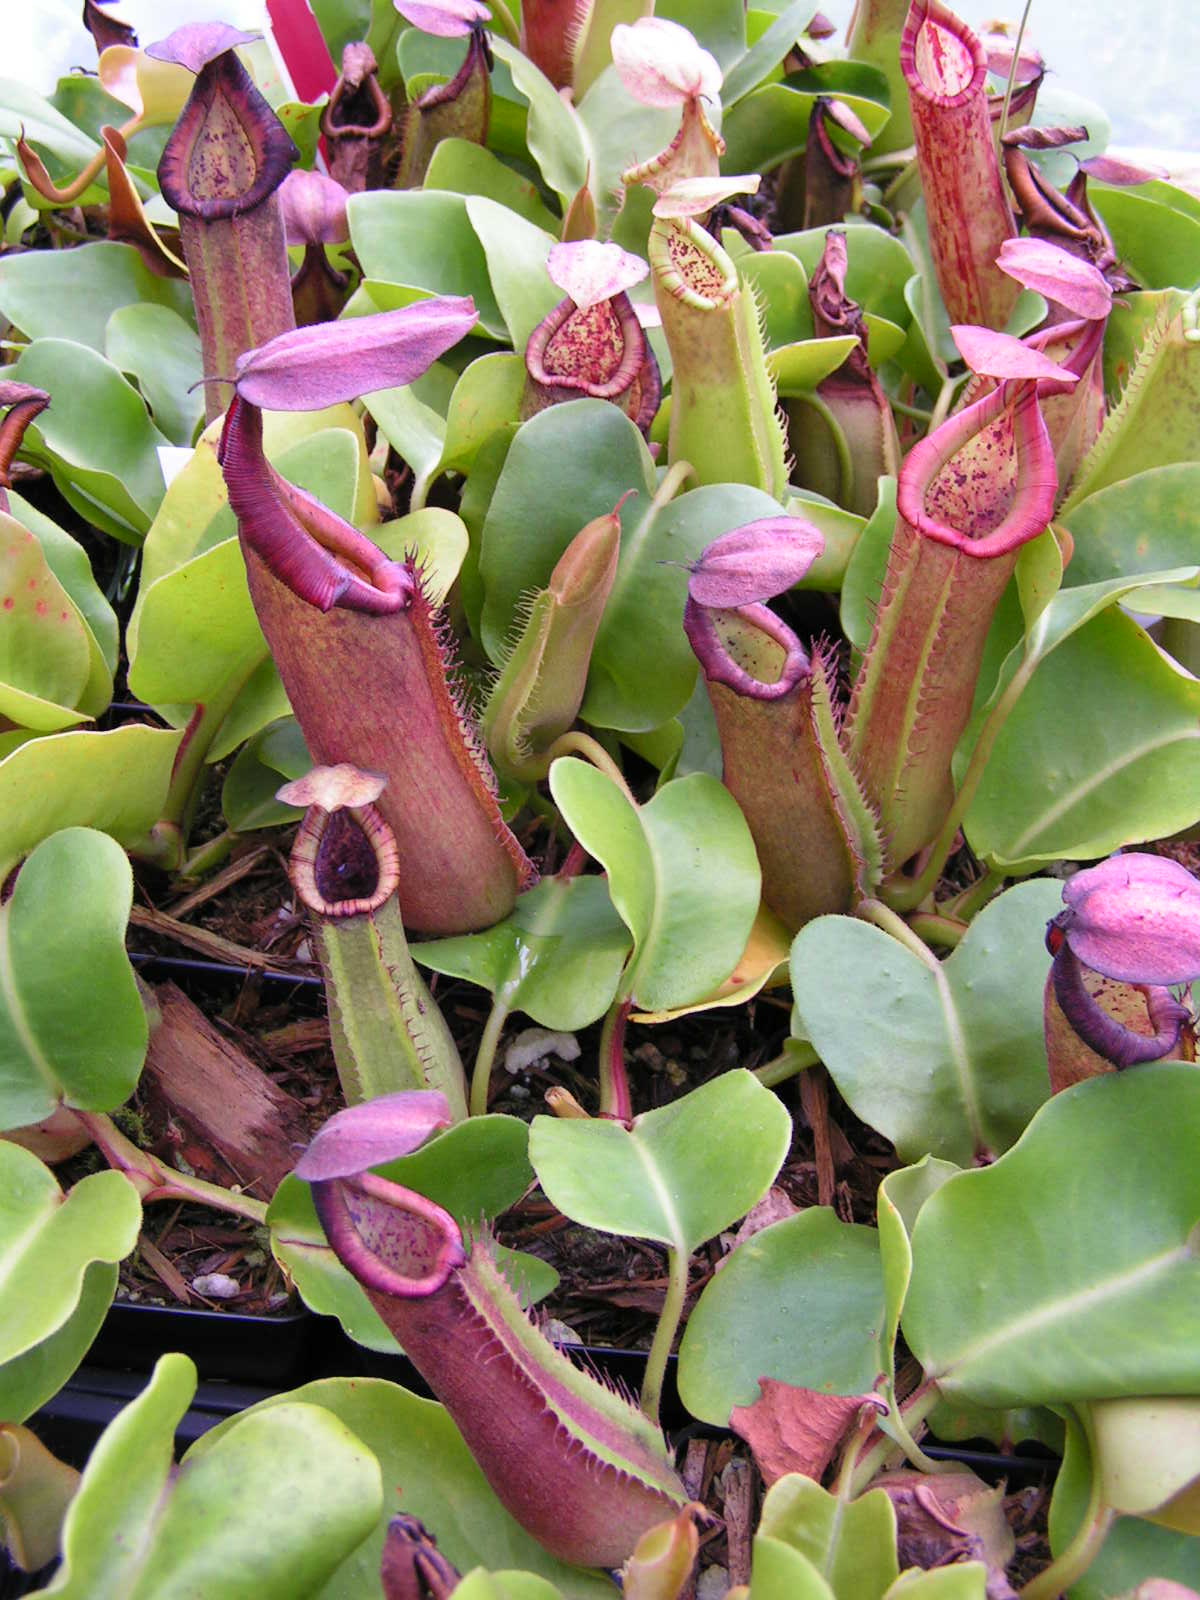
(681, 533)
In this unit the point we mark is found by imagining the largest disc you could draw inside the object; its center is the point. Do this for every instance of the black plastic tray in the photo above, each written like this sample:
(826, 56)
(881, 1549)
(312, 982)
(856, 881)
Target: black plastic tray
(277, 1352)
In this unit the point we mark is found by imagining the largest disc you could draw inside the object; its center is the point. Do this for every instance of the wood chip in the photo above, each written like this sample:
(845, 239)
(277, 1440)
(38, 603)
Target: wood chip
(814, 1099)
(171, 1278)
(233, 873)
(212, 945)
(237, 1125)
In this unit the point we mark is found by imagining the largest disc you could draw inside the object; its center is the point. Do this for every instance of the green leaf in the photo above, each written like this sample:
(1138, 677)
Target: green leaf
(682, 872)
(665, 1178)
(475, 1169)
(966, 1580)
(1134, 1549)
(430, 1475)
(72, 1025)
(865, 570)
(533, 515)
(1147, 1455)
(719, 25)
(780, 287)
(1039, 576)
(45, 645)
(851, 1544)
(303, 125)
(765, 54)
(555, 134)
(1068, 1270)
(438, 540)
(116, 782)
(557, 956)
(1035, 616)
(641, 672)
(797, 368)
(95, 438)
(956, 1420)
(155, 346)
(487, 396)
(424, 238)
(841, 529)
(516, 252)
(71, 294)
(1157, 243)
(1142, 524)
(187, 523)
(69, 563)
(780, 1573)
(765, 127)
(197, 631)
(1101, 750)
(27, 1381)
(461, 167)
(276, 752)
(900, 1198)
(22, 109)
(481, 1585)
(415, 430)
(245, 1517)
(800, 1301)
(48, 1244)
(942, 1057)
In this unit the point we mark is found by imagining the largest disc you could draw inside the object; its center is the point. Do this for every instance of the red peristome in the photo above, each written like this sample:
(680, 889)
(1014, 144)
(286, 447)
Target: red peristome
(984, 482)
(945, 69)
(710, 638)
(600, 352)
(322, 559)
(343, 863)
(595, 351)
(371, 1223)
(356, 121)
(228, 151)
(24, 403)
(1102, 1032)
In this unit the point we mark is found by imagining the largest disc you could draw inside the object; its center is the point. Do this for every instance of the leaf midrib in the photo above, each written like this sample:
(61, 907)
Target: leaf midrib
(12, 1002)
(1062, 1309)
(1096, 779)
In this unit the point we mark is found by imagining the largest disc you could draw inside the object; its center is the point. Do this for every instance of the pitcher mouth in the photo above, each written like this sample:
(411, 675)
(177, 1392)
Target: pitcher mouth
(1035, 476)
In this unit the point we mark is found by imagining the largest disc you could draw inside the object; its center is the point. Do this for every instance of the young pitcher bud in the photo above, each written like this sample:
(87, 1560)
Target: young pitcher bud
(541, 686)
